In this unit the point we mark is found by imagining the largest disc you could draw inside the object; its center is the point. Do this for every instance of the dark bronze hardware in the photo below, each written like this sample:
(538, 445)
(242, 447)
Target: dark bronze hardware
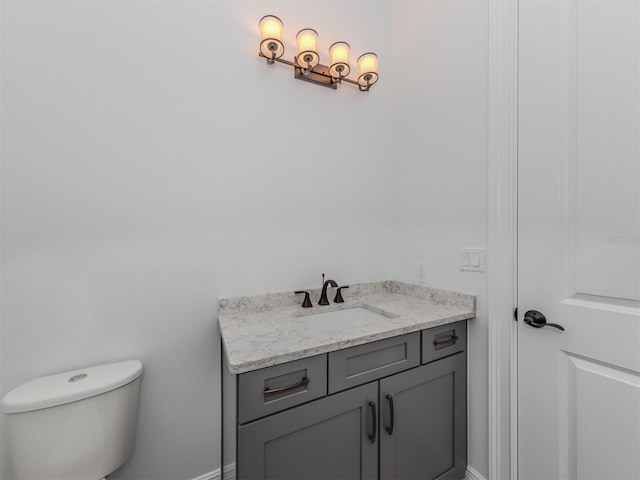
(392, 421)
(445, 343)
(374, 417)
(368, 79)
(307, 301)
(339, 298)
(535, 319)
(318, 74)
(303, 383)
(323, 296)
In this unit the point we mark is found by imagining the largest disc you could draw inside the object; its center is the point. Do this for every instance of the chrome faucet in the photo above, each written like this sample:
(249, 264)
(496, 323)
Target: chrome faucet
(323, 296)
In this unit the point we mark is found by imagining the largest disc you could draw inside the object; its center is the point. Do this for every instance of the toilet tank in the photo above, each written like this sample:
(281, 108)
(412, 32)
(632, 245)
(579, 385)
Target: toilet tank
(73, 425)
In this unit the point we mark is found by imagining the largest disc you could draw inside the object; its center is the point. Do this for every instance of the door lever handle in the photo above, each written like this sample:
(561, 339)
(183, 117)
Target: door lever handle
(535, 319)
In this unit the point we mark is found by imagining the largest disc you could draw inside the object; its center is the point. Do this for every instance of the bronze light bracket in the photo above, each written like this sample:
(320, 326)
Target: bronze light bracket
(318, 75)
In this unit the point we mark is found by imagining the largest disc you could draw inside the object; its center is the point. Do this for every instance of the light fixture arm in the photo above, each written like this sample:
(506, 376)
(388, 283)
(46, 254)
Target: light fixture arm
(318, 74)
(279, 60)
(362, 88)
(338, 79)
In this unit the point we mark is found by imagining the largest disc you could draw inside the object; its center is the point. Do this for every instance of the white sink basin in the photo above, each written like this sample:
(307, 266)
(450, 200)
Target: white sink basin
(343, 319)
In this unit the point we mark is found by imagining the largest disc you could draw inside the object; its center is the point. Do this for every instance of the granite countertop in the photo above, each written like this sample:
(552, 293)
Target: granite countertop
(265, 330)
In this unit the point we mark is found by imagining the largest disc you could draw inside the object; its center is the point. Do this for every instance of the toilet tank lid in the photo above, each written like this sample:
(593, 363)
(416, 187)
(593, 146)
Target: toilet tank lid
(70, 386)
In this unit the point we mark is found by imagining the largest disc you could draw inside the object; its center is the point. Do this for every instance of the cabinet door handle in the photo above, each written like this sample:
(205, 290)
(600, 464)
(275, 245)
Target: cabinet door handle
(445, 343)
(392, 415)
(374, 417)
(303, 383)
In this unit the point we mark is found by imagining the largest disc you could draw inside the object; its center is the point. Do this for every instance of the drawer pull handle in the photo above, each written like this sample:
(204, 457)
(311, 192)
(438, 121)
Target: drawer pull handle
(374, 417)
(445, 343)
(303, 383)
(392, 415)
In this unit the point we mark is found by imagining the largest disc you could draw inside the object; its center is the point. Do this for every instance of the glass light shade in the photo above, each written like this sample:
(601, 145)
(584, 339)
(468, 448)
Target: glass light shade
(339, 58)
(271, 29)
(367, 69)
(307, 47)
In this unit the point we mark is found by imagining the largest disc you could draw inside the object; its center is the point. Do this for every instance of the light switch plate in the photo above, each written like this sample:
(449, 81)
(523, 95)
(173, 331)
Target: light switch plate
(472, 259)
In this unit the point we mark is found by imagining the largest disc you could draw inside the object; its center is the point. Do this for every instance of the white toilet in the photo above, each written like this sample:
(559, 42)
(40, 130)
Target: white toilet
(74, 425)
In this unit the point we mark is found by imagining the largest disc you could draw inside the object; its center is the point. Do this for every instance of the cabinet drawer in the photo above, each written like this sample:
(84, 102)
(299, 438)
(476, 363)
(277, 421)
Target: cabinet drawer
(443, 341)
(365, 363)
(270, 390)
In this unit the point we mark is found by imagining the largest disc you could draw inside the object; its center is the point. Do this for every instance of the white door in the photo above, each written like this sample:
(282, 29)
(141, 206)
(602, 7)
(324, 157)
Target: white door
(579, 239)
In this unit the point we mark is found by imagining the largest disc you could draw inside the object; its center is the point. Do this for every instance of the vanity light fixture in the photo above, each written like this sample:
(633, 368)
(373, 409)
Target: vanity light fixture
(307, 64)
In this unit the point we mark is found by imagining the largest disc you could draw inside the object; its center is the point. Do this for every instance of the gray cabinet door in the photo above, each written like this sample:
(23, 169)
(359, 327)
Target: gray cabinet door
(429, 435)
(330, 438)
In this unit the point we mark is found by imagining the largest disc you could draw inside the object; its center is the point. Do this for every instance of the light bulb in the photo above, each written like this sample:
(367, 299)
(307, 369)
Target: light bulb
(307, 47)
(367, 70)
(271, 29)
(339, 58)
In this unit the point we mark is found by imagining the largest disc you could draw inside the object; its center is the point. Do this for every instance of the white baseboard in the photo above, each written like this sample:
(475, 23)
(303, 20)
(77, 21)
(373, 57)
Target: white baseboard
(473, 474)
(229, 474)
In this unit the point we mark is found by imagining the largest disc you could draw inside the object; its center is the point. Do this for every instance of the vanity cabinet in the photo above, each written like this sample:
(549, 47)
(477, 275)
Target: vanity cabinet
(394, 408)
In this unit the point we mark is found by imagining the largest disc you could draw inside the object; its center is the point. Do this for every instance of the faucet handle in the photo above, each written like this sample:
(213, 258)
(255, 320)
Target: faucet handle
(307, 301)
(339, 298)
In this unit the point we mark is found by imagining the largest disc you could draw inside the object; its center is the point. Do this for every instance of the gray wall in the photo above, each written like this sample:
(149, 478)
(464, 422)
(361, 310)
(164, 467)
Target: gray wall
(440, 61)
(151, 163)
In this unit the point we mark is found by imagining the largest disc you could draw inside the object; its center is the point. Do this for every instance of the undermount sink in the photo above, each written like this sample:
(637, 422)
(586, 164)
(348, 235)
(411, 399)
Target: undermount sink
(343, 319)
